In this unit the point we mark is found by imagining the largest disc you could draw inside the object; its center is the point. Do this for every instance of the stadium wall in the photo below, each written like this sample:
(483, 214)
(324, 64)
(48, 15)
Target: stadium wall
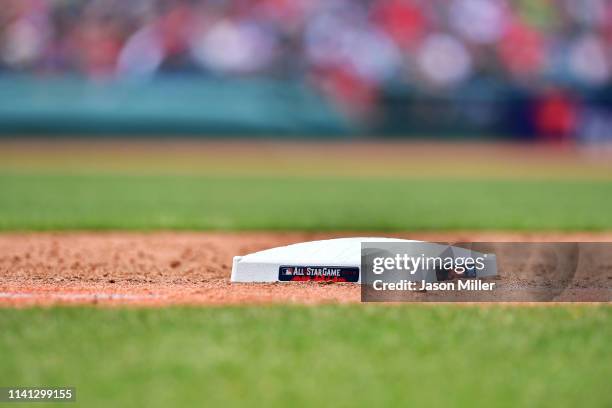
(218, 107)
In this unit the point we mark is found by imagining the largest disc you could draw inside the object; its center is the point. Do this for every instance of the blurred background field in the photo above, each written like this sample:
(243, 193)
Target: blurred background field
(316, 186)
(401, 114)
(44, 202)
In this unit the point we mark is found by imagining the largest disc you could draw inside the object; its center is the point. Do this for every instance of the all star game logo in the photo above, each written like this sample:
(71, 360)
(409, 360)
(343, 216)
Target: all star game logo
(318, 274)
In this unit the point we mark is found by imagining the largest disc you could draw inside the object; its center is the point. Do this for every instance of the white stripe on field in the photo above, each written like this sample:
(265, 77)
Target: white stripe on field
(77, 296)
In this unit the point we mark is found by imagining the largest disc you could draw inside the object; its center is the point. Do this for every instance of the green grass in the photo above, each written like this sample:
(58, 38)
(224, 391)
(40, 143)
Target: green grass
(341, 356)
(90, 201)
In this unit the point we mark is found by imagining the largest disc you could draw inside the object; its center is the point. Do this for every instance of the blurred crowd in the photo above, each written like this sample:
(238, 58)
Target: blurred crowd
(352, 49)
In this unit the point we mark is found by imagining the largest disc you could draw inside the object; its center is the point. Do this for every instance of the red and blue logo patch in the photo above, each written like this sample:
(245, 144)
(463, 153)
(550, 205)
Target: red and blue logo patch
(318, 274)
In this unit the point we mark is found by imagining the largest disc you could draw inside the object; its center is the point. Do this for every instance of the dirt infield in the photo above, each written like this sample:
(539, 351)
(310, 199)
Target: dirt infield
(164, 268)
(373, 158)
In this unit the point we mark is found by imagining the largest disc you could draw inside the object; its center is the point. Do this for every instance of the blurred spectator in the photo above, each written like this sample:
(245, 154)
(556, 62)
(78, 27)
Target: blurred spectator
(444, 60)
(556, 116)
(352, 49)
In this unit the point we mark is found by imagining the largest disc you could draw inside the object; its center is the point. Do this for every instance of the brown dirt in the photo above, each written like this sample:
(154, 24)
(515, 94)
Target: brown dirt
(165, 268)
(409, 159)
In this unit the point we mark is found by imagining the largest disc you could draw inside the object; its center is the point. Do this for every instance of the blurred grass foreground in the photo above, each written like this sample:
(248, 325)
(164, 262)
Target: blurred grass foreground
(237, 356)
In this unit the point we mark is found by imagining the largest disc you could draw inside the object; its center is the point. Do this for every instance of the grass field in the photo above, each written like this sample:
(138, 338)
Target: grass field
(356, 355)
(58, 185)
(98, 201)
(330, 355)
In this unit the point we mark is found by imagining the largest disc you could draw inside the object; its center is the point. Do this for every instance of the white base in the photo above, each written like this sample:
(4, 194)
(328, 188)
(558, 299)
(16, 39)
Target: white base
(263, 266)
